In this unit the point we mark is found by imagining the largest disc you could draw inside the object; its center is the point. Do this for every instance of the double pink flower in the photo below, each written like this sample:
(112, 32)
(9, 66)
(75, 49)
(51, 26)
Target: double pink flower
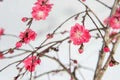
(26, 36)
(31, 62)
(41, 9)
(79, 35)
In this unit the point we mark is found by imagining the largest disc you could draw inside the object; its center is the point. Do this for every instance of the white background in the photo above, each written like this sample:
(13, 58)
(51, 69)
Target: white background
(11, 12)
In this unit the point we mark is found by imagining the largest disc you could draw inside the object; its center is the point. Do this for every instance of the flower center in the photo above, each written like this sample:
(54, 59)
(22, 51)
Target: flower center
(40, 14)
(78, 34)
(117, 22)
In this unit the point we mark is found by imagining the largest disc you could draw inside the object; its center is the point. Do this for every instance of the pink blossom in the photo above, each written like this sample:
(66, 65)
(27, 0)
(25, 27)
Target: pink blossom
(41, 10)
(24, 19)
(79, 35)
(106, 49)
(31, 62)
(27, 35)
(80, 51)
(30, 68)
(18, 44)
(1, 31)
(113, 22)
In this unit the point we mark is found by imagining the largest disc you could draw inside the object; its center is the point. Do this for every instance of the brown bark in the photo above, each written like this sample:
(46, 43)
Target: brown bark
(99, 69)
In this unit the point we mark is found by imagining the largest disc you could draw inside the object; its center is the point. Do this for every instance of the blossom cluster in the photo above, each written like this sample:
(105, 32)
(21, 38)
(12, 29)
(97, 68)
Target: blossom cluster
(41, 9)
(26, 37)
(31, 62)
(114, 23)
(114, 20)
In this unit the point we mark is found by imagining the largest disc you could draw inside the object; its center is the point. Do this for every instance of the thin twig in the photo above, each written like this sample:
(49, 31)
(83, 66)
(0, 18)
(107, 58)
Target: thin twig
(48, 72)
(104, 4)
(9, 65)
